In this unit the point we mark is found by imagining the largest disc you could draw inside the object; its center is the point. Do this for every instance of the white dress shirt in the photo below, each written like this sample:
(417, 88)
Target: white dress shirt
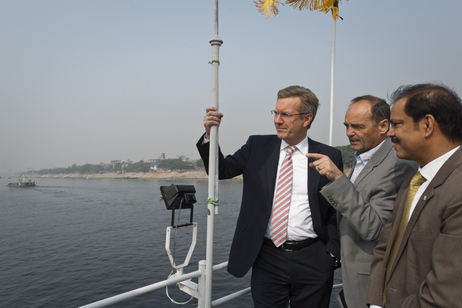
(300, 224)
(428, 172)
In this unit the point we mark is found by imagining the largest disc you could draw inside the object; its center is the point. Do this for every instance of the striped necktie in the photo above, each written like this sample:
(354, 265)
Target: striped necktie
(279, 217)
(416, 182)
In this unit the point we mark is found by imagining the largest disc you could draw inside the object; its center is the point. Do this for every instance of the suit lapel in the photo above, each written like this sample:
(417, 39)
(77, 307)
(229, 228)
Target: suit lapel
(400, 200)
(313, 175)
(273, 148)
(448, 167)
(350, 173)
(314, 180)
(375, 160)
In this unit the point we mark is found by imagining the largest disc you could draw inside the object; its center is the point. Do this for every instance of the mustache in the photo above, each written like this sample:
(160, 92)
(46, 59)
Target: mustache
(394, 139)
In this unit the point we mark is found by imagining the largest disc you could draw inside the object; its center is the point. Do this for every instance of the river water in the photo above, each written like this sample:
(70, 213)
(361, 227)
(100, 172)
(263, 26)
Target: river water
(70, 242)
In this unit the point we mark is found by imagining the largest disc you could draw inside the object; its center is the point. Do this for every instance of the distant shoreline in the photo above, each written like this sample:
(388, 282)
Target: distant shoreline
(196, 174)
(171, 175)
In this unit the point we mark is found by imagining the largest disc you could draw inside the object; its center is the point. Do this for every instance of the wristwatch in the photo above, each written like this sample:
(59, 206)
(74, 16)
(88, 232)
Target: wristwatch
(336, 262)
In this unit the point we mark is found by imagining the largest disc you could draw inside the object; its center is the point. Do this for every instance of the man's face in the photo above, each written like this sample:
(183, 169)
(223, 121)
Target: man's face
(291, 129)
(405, 134)
(360, 129)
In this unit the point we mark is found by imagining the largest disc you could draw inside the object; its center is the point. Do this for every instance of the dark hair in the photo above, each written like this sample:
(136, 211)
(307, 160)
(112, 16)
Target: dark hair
(309, 101)
(436, 99)
(379, 108)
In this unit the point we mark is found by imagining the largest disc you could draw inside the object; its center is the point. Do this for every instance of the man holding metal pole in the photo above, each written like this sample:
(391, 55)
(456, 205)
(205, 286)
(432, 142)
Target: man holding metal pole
(286, 230)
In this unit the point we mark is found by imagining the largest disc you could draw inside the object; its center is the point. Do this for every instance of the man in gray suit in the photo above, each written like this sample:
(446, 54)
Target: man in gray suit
(364, 200)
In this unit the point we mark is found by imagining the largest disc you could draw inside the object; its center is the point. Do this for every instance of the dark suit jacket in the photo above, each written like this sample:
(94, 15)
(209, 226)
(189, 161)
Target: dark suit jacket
(427, 271)
(257, 161)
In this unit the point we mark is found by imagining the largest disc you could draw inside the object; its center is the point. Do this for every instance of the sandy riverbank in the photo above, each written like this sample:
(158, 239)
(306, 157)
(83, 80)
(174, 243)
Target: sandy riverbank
(136, 175)
(131, 175)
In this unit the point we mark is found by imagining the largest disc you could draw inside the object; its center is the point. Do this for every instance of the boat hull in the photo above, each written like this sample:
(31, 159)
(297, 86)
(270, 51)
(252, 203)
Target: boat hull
(23, 183)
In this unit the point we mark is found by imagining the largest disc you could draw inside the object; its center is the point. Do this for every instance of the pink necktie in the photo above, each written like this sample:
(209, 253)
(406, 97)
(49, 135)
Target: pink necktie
(278, 231)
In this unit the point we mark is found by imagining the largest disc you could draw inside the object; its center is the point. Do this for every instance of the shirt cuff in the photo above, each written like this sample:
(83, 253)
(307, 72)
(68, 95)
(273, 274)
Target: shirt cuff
(374, 306)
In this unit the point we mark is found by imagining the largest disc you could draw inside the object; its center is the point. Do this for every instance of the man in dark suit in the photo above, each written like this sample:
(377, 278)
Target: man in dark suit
(417, 260)
(300, 270)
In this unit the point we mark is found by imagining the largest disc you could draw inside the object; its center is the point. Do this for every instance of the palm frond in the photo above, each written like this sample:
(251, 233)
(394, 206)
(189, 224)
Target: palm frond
(269, 7)
(304, 4)
(317, 5)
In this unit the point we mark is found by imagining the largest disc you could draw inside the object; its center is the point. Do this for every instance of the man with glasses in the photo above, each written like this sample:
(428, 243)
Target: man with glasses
(286, 231)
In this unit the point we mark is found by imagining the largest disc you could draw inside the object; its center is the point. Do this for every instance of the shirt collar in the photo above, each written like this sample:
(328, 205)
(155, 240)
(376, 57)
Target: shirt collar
(429, 170)
(302, 146)
(366, 156)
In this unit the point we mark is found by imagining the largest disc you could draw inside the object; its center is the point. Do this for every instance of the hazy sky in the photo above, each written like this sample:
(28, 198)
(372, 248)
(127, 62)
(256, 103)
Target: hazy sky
(90, 81)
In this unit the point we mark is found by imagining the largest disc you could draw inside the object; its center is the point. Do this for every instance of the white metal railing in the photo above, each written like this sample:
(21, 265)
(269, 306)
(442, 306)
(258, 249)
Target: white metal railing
(194, 289)
(121, 297)
(174, 280)
(337, 286)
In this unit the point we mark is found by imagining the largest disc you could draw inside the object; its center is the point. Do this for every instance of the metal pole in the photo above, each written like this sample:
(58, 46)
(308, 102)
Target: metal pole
(213, 167)
(332, 76)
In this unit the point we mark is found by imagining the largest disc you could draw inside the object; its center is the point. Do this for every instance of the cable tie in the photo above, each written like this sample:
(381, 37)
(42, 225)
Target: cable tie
(214, 202)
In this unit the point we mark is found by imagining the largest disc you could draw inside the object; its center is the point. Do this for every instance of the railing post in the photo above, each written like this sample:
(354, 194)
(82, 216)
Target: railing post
(201, 285)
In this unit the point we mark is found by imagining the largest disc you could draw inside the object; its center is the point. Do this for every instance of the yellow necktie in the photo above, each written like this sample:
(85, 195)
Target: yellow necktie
(416, 182)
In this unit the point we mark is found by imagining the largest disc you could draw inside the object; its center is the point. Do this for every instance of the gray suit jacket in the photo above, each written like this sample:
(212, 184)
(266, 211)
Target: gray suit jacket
(363, 208)
(427, 271)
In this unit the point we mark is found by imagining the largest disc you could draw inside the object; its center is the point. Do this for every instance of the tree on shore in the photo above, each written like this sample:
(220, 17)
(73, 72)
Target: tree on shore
(176, 164)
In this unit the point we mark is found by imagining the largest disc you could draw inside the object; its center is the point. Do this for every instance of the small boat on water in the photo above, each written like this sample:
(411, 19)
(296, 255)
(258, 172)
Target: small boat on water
(23, 182)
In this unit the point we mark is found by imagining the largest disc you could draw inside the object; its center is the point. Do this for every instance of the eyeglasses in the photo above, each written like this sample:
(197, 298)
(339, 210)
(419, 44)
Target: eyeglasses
(285, 115)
